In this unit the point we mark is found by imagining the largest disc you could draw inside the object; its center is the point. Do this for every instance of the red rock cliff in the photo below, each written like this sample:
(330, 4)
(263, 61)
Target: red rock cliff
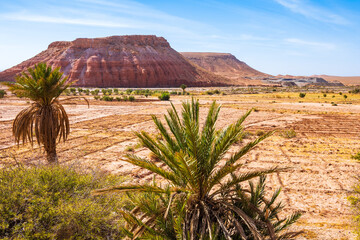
(120, 61)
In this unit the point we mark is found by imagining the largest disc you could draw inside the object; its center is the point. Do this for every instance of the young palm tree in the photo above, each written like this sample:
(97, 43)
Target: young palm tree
(183, 87)
(201, 186)
(45, 117)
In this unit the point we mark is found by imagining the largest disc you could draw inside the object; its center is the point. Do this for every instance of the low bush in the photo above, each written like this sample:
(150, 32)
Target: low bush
(131, 98)
(107, 98)
(54, 202)
(356, 156)
(96, 91)
(355, 90)
(302, 95)
(165, 96)
(260, 133)
(288, 133)
(2, 93)
(96, 97)
(354, 200)
(87, 92)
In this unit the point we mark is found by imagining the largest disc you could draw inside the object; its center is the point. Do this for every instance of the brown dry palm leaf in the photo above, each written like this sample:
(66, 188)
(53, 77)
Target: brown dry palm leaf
(45, 118)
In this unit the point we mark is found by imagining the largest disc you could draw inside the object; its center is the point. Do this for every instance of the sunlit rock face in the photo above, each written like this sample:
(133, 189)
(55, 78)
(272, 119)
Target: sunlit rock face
(120, 61)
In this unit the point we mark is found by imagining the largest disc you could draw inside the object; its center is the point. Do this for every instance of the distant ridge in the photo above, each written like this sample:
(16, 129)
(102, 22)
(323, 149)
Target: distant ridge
(226, 65)
(350, 80)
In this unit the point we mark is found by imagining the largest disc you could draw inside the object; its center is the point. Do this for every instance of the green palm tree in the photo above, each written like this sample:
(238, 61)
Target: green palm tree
(45, 118)
(183, 87)
(201, 185)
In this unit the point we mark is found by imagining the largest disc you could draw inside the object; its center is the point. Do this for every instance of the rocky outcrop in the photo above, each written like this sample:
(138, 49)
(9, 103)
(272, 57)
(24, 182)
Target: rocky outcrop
(120, 61)
(298, 81)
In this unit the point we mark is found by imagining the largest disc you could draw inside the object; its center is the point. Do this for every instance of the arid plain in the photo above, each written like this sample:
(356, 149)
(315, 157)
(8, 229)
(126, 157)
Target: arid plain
(321, 176)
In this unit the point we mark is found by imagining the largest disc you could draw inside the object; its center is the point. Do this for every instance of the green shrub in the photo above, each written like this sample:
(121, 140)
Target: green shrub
(119, 99)
(2, 93)
(355, 202)
(96, 97)
(116, 91)
(54, 202)
(129, 149)
(80, 90)
(87, 91)
(104, 91)
(302, 95)
(125, 98)
(165, 96)
(356, 90)
(72, 90)
(356, 156)
(324, 94)
(128, 91)
(67, 92)
(259, 133)
(109, 91)
(288, 133)
(131, 98)
(345, 96)
(209, 92)
(107, 98)
(173, 93)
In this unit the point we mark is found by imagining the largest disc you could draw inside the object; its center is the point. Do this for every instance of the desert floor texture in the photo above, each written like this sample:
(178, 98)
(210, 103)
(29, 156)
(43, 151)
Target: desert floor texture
(322, 172)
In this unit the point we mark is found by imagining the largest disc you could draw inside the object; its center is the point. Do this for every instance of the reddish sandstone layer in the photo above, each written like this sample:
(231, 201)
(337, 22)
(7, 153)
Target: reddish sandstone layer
(120, 61)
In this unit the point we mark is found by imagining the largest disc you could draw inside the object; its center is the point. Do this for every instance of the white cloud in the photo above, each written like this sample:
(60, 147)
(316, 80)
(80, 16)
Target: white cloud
(110, 14)
(63, 20)
(323, 45)
(311, 11)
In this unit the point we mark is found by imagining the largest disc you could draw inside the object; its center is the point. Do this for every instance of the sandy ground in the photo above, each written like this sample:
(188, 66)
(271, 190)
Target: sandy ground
(318, 184)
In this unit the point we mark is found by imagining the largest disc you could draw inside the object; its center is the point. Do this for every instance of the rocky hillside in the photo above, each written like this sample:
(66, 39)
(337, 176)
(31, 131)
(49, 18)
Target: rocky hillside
(120, 61)
(226, 65)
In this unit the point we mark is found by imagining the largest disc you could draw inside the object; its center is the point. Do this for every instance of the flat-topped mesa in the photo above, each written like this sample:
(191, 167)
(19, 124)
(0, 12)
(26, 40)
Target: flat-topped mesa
(113, 41)
(120, 61)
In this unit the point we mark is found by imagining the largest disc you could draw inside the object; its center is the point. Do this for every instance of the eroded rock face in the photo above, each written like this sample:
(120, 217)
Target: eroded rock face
(120, 61)
(222, 63)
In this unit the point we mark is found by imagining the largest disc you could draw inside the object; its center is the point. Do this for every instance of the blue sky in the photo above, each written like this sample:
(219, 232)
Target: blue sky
(298, 37)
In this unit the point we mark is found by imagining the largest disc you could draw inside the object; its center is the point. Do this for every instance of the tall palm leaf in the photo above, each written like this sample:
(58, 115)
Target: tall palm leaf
(45, 118)
(196, 173)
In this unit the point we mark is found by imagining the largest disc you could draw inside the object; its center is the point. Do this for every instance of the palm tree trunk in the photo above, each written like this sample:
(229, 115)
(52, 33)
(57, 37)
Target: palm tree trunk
(51, 157)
